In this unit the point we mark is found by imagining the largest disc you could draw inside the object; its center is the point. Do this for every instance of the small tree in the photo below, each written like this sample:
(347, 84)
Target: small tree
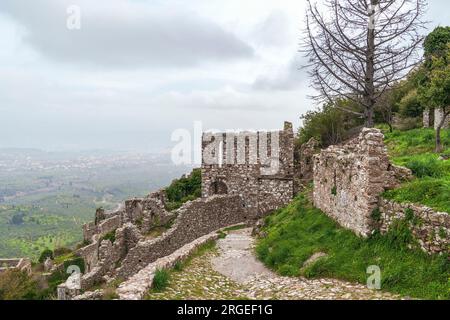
(437, 91)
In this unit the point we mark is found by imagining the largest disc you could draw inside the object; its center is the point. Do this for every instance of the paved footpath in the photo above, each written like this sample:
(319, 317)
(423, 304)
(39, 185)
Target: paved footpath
(233, 272)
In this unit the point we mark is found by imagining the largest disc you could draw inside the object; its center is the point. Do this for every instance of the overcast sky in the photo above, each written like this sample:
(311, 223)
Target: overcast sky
(139, 69)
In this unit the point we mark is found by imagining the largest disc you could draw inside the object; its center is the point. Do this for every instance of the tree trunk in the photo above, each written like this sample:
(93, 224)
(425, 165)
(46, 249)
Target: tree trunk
(369, 95)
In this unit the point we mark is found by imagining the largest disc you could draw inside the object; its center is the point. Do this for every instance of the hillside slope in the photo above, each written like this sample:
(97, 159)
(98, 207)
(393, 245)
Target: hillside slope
(293, 234)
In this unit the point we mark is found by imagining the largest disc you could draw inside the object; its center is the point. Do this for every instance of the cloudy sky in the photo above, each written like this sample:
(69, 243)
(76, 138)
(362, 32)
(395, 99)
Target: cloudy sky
(137, 70)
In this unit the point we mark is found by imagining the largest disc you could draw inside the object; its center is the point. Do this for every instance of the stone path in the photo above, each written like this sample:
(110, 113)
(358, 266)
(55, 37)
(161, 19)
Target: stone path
(233, 272)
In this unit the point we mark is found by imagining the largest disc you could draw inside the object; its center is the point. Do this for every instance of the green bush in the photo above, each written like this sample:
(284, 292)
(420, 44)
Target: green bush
(77, 261)
(184, 189)
(111, 236)
(17, 285)
(47, 253)
(160, 280)
(410, 106)
(434, 193)
(329, 125)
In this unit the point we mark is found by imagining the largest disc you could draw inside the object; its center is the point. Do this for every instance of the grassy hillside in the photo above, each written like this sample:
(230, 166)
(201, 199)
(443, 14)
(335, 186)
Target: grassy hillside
(298, 231)
(414, 149)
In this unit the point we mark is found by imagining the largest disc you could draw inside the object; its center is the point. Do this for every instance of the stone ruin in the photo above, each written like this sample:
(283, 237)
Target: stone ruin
(432, 118)
(349, 180)
(240, 186)
(257, 166)
(22, 264)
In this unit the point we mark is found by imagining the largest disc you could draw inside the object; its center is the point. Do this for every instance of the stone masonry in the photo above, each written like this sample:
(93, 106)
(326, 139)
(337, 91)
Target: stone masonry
(237, 192)
(256, 166)
(349, 178)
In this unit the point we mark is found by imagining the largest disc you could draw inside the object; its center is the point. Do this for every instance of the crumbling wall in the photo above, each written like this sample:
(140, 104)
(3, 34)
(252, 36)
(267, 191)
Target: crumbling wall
(349, 178)
(430, 229)
(22, 264)
(304, 163)
(195, 219)
(251, 166)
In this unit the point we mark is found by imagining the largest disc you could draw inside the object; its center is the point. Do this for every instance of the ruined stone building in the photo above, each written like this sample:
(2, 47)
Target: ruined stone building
(257, 166)
(245, 176)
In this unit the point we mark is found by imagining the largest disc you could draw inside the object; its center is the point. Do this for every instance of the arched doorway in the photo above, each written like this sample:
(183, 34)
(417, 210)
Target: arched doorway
(218, 187)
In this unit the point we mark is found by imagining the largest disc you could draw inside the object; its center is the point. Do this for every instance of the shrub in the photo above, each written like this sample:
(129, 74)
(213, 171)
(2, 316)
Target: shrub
(111, 236)
(17, 285)
(434, 193)
(77, 261)
(329, 125)
(184, 189)
(61, 252)
(47, 253)
(410, 106)
(160, 280)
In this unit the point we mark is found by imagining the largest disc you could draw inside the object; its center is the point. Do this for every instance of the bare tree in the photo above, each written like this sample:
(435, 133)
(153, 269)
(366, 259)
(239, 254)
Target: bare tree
(357, 49)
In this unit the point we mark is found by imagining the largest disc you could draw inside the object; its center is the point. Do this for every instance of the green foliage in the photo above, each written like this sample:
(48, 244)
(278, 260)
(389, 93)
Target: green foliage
(76, 261)
(160, 280)
(296, 232)
(376, 215)
(436, 92)
(334, 191)
(410, 105)
(329, 125)
(436, 42)
(184, 189)
(434, 193)
(45, 254)
(178, 266)
(17, 285)
(111, 236)
(414, 149)
(403, 145)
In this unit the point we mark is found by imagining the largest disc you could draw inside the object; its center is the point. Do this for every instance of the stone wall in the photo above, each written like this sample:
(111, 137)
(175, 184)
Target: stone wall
(23, 264)
(349, 178)
(138, 285)
(431, 229)
(195, 219)
(246, 165)
(304, 163)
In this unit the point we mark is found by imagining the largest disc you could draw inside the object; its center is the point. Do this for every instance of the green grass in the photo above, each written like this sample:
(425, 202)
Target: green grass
(414, 150)
(434, 193)
(161, 280)
(296, 232)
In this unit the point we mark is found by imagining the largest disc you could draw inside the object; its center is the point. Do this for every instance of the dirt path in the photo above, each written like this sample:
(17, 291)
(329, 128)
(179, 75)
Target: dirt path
(233, 272)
